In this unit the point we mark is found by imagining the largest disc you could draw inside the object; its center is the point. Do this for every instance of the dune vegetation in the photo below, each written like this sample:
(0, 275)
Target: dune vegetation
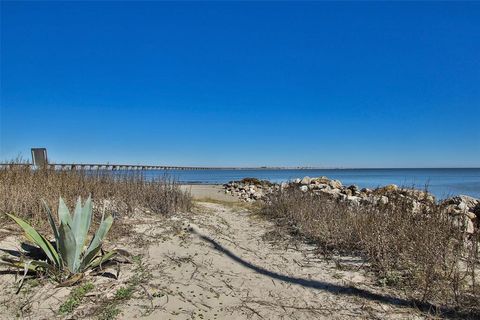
(23, 192)
(423, 252)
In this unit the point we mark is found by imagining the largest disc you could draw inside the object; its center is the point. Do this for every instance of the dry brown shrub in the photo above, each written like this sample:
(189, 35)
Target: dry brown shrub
(23, 189)
(423, 252)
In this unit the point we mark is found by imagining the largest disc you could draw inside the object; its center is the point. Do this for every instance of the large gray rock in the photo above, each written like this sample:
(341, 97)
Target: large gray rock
(321, 180)
(355, 200)
(419, 195)
(464, 223)
(335, 184)
(462, 201)
(322, 186)
(304, 188)
(387, 189)
(383, 200)
(306, 181)
(463, 206)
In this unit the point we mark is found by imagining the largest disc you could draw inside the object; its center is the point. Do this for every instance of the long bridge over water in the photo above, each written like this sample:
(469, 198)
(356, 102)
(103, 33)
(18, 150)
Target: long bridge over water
(40, 160)
(108, 166)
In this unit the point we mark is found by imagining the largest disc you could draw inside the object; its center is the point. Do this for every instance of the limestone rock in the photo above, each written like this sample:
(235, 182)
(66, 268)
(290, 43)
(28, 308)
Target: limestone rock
(383, 200)
(463, 210)
(335, 184)
(387, 189)
(306, 181)
(304, 188)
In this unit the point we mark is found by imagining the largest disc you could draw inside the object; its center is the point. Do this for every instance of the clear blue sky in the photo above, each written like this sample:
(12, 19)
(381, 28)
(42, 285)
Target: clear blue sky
(318, 84)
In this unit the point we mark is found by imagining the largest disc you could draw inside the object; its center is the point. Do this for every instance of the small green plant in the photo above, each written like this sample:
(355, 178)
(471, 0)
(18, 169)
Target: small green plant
(390, 279)
(68, 256)
(109, 313)
(33, 283)
(124, 293)
(75, 298)
(109, 309)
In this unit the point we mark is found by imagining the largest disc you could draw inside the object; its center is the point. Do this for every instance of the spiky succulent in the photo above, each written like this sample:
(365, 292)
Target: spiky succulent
(69, 255)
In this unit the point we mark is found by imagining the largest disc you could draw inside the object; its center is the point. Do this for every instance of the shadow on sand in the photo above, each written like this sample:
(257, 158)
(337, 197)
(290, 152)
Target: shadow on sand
(426, 307)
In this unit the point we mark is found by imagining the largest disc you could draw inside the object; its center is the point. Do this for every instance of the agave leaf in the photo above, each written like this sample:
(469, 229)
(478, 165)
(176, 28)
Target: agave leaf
(38, 239)
(81, 223)
(63, 213)
(54, 229)
(78, 208)
(72, 280)
(103, 259)
(18, 265)
(51, 221)
(67, 246)
(97, 240)
(77, 213)
(89, 257)
(33, 265)
(27, 265)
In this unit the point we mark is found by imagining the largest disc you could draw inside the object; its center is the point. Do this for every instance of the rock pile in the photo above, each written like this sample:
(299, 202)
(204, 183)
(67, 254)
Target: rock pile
(250, 189)
(463, 208)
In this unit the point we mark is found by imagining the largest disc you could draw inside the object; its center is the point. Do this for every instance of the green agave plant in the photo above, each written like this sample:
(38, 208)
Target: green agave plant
(69, 255)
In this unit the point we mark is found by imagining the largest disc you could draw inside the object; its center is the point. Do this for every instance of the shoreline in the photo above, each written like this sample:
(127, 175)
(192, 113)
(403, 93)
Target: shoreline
(208, 192)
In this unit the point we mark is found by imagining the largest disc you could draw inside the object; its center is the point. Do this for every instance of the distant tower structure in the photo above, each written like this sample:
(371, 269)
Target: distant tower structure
(39, 157)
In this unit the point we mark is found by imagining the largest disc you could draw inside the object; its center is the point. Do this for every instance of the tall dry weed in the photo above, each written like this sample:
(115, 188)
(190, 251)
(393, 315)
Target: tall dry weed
(23, 189)
(424, 252)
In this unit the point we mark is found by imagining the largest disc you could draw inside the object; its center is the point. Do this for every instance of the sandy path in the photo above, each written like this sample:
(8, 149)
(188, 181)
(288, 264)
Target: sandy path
(218, 265)
(208, 191)
(219, 262)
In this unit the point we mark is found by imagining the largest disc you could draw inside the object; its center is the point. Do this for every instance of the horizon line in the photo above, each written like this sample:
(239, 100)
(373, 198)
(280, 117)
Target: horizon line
(173, 167)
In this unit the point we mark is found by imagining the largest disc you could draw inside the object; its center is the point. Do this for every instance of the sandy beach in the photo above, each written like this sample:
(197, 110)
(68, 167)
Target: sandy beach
(208, 192)
(220, 261)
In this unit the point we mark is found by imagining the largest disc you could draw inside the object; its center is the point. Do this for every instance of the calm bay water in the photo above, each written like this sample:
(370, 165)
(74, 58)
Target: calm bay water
(441, 182)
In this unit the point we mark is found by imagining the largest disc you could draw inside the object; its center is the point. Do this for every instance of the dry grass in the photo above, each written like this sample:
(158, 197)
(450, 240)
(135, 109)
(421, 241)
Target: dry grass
(424, 252)
(22, 191)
